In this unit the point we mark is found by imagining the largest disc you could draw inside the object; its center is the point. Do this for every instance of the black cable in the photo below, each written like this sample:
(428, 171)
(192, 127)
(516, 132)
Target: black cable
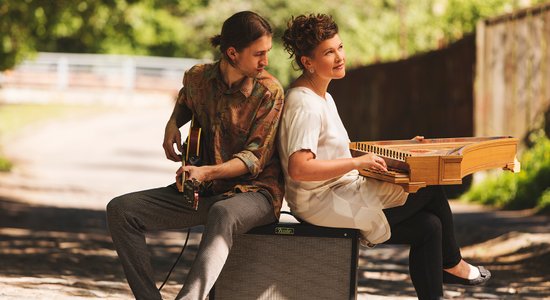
(177, 260)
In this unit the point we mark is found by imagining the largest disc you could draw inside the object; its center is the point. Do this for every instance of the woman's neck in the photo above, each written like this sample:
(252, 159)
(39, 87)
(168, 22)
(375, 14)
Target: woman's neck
(315, 83)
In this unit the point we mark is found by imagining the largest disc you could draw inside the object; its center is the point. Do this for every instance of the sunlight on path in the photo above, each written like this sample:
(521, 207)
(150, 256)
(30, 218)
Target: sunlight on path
(86, 162)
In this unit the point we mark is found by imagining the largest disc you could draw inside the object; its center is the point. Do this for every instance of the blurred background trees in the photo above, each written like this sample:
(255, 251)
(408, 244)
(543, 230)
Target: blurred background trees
(373, 31)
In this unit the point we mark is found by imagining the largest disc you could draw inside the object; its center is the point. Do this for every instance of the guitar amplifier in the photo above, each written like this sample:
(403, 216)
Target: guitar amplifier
(290, 261)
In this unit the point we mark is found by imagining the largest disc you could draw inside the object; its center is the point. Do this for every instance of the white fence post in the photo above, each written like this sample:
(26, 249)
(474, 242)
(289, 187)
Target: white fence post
(62, 73)
(129, 74)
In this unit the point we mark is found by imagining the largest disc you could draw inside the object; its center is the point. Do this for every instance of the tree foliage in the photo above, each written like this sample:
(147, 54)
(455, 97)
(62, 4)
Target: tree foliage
(373, 31)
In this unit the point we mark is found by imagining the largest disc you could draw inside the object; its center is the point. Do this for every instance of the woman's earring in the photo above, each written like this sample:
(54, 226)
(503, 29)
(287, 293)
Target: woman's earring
(311, 70)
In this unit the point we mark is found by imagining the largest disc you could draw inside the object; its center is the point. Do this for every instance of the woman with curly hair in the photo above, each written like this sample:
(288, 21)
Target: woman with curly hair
(323, 186)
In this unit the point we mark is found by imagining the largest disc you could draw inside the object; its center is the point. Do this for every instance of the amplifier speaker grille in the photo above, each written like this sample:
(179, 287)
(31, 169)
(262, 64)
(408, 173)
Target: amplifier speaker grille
(290, 266)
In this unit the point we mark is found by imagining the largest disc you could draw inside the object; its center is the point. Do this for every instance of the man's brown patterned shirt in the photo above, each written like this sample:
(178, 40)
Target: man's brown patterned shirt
(238, 122)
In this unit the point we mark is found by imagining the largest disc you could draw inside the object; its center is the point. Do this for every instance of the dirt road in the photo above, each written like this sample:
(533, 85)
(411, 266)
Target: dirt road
(54, 243)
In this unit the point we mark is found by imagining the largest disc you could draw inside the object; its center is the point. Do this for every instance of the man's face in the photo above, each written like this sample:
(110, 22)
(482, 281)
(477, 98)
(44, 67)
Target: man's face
(252, 60)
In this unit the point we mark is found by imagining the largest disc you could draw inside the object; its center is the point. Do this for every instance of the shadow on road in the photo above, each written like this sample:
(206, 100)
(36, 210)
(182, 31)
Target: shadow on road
(46, 241)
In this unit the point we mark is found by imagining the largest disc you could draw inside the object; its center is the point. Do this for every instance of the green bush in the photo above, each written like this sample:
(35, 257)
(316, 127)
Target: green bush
(529, 188)
(544, 203)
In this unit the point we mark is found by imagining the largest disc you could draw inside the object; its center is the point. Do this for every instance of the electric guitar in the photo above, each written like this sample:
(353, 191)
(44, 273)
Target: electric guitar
(191, 156)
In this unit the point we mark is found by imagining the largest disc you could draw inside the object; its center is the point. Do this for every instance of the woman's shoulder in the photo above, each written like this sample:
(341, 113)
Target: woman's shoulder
(303, 99)
(299, 96)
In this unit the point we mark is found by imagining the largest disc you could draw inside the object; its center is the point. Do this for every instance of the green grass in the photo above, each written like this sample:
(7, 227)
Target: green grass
(5, 164)
(15, 117)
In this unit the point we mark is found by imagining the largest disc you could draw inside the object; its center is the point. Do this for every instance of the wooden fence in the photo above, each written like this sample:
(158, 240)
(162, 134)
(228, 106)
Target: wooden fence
(429, 94)
(513, 73)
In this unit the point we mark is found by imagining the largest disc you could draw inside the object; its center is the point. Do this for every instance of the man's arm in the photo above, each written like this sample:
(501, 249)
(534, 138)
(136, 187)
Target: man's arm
(259, 149)
(229, 169)
(180, 115)
(261, 139)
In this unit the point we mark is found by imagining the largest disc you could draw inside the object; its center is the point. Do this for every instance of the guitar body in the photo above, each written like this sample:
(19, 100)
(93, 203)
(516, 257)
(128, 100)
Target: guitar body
(191, 156)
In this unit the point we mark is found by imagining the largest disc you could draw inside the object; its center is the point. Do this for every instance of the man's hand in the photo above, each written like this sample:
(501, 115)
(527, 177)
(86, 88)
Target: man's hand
(172, 135)
(179, 179)
(200, 174)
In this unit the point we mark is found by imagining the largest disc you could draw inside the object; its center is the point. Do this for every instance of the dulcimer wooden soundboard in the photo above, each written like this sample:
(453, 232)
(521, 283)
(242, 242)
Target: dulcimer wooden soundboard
(414, 164)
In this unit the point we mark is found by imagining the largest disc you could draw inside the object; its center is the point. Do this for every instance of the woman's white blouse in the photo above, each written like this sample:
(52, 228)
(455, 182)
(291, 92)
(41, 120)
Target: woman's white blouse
(312, 123)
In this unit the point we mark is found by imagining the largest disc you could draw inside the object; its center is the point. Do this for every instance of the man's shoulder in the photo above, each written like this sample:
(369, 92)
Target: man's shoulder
(201, 68)
(269, 81)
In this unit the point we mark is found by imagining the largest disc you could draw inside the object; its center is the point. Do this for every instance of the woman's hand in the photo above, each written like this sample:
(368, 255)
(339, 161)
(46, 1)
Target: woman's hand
(172, 136)
(371, 161)
(418, 138)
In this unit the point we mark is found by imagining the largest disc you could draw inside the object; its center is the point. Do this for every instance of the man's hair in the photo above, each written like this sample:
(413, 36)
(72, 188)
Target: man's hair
(239, 31)
(304, 33)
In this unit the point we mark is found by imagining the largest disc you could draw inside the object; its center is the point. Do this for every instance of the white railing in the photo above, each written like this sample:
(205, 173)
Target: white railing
(96, 73)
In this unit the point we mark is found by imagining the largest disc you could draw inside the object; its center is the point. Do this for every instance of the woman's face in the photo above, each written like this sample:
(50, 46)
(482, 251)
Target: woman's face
(328, 59)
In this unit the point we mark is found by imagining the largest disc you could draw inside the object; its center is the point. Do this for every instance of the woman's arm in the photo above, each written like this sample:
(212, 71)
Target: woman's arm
(302, 166)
